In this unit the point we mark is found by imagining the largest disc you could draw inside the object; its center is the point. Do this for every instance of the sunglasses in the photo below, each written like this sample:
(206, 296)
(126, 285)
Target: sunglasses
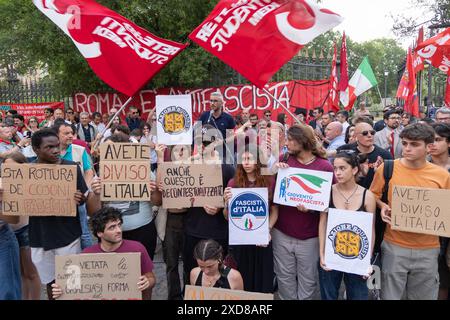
(212, 100)
(69, 112)
(366, 132)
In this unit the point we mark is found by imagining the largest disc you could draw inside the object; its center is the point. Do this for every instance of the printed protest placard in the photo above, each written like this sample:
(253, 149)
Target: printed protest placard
(96, 276)
(348, 241)
(39, 189)
(174, 119)
(193, 185)
(310, 188)
(208, 293)
(125, 172)
(248, 216)
(421, 210)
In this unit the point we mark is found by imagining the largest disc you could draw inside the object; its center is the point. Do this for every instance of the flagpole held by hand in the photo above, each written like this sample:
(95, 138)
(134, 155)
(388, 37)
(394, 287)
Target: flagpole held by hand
(284, 107)
(99, 138)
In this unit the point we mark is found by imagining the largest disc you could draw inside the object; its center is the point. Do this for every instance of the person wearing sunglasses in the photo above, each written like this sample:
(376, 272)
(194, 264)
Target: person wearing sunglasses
(133, 120)
(389, 137)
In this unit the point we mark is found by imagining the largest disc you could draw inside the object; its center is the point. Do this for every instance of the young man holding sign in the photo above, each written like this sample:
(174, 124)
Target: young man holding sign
(56, 235)
(295, 234)
(410, 260)
(107, 227)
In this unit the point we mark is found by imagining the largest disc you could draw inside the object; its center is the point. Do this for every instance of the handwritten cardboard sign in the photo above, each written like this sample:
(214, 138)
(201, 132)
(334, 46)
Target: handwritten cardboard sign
(125, 171)
(310, 188)
(193, 185)
(39, 189)
(208, 293)
(99, 276)
(421, 210)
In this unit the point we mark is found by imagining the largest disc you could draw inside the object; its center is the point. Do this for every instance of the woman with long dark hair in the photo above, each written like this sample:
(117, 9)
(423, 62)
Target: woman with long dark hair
(255, 263)
(345, 195)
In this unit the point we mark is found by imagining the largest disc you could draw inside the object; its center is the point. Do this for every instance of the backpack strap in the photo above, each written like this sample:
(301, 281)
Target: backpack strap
(387, 174)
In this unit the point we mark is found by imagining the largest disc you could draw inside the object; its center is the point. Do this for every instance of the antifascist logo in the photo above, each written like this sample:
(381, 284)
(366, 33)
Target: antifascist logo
(174, 120)
(248, 211)
(349, 241)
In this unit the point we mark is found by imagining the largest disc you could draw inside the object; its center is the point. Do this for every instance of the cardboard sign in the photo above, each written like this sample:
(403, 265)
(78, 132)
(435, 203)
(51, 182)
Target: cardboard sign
(310, 188)
(248, 216)
(99, 276)
(39, 189)
(421, 210)
(193, 185)
(208, 293)
(125, 171)
(348, 241)
(174, 119)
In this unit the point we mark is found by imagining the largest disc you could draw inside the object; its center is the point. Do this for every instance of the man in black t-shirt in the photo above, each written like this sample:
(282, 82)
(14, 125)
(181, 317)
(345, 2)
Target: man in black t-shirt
(365, 137)
(54, 235)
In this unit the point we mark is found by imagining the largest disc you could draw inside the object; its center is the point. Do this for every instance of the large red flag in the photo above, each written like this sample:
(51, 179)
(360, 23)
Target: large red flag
(411, 102)
(257, 38)
(343, 80)
(436, 51)
(333, 98)
(122, 54)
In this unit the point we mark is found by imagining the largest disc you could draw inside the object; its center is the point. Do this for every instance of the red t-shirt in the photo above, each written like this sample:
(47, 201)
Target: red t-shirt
(128, 246)
(296, 224)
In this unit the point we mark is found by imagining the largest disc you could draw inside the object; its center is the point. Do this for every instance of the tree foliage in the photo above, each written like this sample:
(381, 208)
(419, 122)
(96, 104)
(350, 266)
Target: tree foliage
(30, 41)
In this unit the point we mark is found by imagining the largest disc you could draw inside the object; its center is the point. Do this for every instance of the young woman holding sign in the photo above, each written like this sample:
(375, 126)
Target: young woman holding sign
(255, 263)
(345, 195)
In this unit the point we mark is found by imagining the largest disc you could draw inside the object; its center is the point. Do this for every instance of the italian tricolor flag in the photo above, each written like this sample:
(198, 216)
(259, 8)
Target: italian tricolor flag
(362, 80)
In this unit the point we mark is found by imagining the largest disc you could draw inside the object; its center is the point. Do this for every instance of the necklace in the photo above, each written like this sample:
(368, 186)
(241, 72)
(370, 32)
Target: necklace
(347, 202)
(309, 161)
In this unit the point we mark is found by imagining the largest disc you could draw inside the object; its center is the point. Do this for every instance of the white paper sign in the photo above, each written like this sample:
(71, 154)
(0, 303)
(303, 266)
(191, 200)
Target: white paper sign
(174, 119)
(248, 216)
(310, 188)
(348, 241)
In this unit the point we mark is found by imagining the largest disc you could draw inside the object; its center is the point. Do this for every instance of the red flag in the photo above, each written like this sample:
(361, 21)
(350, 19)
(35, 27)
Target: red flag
(436, 51)
(411, 102)
(257, 38)
(333, 97)
(122, 54)
(420, 36)
(447, 93)
(343, 81)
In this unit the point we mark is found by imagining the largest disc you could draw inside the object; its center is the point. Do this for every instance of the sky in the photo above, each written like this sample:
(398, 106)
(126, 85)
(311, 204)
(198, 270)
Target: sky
(366, 20)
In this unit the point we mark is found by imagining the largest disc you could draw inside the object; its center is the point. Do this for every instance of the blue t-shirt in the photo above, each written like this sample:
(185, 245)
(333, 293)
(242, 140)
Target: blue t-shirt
(222, 123)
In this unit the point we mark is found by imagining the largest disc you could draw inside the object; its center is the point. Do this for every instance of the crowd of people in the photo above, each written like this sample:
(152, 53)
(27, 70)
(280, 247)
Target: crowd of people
(366, 160)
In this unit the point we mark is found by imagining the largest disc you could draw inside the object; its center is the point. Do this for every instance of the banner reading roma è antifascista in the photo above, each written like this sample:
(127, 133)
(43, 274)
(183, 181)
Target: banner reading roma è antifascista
(294, 94)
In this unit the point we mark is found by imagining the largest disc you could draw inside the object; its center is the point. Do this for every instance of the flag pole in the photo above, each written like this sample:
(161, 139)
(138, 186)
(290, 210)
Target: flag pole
(98, 138)
(379, 93)
(284, 107)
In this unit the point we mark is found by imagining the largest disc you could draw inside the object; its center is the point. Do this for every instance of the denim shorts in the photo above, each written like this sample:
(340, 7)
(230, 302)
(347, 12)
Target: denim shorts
(22, 237)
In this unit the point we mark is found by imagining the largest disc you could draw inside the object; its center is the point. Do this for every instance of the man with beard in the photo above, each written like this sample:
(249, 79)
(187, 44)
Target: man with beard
(107, 227)
(389, 137)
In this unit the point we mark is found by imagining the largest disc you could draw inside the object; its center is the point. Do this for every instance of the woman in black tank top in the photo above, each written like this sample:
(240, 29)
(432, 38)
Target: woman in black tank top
(345, 195)
(211, 272)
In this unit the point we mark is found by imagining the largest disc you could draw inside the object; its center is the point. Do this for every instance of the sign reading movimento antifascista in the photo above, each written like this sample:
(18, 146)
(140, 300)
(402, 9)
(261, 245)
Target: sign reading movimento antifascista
(125, 171)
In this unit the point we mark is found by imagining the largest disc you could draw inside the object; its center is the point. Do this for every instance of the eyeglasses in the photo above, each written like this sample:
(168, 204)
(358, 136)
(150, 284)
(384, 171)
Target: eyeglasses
(69, 112)
(366, 132)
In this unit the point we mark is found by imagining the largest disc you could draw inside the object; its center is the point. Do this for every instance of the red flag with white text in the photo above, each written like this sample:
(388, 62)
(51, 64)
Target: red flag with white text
(411, 101)
(333, 95)
(436, 51)
(256, 38)
(122, 54)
